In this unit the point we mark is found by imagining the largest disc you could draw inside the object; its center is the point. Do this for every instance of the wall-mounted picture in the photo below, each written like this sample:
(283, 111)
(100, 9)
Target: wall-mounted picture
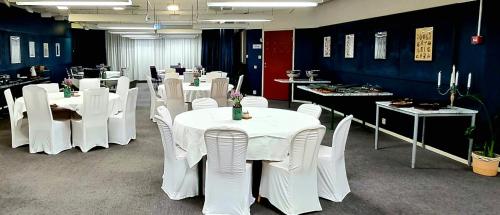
(380, 45)
(31, 49)
(423, 43)
(15, 49)
(45, 50)
(58, 49)
(327, 45)
(349, 46)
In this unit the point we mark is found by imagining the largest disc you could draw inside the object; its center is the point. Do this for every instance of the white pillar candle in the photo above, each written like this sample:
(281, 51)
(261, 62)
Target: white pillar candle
(453, 68)
(469, 80)
(452, 78)
(439, 78)
(456, 79)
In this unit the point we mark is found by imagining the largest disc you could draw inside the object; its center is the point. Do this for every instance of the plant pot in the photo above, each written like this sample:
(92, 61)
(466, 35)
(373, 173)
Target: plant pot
(237, 113)
(67, 92)
(485, 165)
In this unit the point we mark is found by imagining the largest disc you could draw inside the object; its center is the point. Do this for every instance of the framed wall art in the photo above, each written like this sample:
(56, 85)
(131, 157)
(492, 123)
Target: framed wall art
(423, 43)
(349, 46)
(58, 49)
(327, 45)
(15, 49)
(380, 45)
(31, 48)
(45, 50)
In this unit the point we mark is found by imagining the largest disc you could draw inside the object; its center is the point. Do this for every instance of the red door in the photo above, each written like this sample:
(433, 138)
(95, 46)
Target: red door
(278, 47)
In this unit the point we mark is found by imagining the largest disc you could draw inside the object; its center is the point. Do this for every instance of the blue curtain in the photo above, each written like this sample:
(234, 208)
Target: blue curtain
(217, 52)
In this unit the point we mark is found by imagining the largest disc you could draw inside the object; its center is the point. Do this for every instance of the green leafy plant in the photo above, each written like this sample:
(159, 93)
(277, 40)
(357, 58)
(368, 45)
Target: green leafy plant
(488, 149)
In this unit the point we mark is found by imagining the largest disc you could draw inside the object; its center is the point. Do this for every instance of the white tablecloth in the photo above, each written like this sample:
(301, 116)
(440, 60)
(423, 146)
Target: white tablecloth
(72, 103)
(270, 131)
(191, 92)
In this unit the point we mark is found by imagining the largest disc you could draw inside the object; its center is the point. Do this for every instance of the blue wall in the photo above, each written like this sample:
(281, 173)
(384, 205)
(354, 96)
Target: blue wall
(399, 73)
(31, 27)
(254, 80)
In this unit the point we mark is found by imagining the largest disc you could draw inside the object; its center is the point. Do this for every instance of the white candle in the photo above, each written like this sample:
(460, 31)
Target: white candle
(452, 78)
(453, 69)
(456, 79)
(439, 78)
(469, 80)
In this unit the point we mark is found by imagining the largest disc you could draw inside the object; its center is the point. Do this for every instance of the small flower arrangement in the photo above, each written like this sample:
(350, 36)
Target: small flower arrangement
(67, 83)
(236, 97)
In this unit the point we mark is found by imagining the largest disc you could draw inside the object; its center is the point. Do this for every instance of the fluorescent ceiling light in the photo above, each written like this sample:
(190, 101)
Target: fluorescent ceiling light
(118, 8)
(262, 3)
(75, 3)
(126, 26)
(130, 32)
(222, 18)
(237, 20)
(62, 7)
(172, 7)
(138, 36)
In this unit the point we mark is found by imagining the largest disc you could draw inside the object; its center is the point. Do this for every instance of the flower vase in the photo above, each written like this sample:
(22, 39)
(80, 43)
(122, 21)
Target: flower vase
(67, 92)
(196, 82)
(237, 111)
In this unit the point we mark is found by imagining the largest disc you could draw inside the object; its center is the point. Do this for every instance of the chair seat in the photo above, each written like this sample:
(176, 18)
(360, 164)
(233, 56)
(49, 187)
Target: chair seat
(280, 164)
(325, 151)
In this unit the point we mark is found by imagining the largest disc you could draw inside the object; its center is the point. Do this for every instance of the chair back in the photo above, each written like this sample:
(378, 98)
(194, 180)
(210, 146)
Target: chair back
(95, 107)
(305, 147)
(310, 109)
(254, 101)
(339, 138)
(226, 150)
(122, 88)
(219, 90)
(223, 74)
(170, 75)
(175, 96)
(169, 70)
(152, 91)
(10, 105)
(164, 121)
(50, 88)
(240, 82)
(204, 103)
(89, 83)
(188, 77)
(38, 109)
(153, 72)
(212, 75)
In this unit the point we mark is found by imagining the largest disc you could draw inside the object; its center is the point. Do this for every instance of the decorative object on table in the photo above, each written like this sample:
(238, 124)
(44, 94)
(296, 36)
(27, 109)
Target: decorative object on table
(380, 45)
(400, 103)
(484, 162)
(15, 49)
(33, 71)
(327, 43)
(236, 97)
(246, 115)
(428, 106)
(292, 74)
(311, 74)
(453, 90)
(67, 84)
(196, 80)
(45, 50)
(349, 46)
(423, 43)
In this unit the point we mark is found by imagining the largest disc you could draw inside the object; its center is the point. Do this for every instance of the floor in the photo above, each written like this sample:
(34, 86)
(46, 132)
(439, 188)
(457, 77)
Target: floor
(127, 179)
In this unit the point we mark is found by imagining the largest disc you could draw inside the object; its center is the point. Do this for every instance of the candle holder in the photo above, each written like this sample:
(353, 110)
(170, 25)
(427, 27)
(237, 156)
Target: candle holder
(453, 91)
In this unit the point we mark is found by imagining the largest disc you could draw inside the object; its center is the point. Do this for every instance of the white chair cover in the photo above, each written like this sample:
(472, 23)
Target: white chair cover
(89, 83)
(188, 77)
(169, 75)
(240, 82)
(212, 75)
(169, 70)
(155, 101)
(291, 185)
(92, 129)
(50, 88)
(223, 74)
(254, 101)
(219, 90)
(332, 176)
(228, 176)
(121, 126)
(45, 134)
(179, 180)
(310, 109)
(18, 128)
(175, 97)
(203, 103)
(122, 87)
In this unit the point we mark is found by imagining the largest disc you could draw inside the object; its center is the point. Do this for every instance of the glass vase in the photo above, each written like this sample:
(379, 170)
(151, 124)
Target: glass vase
(67, 92)
(237, 112)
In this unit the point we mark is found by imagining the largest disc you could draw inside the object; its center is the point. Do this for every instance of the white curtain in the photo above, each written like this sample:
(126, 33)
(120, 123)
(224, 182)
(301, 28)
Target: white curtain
(138, 55)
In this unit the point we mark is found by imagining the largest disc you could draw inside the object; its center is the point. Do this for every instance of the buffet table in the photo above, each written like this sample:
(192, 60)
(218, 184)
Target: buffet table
(417, 113)
(291, 86)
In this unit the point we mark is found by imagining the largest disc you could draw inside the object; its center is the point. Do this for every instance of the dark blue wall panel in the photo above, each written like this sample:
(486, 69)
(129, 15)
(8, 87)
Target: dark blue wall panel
(254, 73)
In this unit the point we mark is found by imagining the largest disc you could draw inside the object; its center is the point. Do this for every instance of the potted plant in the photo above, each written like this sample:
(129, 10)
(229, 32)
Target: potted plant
(485, 161)
(236, 99)
(67, 84)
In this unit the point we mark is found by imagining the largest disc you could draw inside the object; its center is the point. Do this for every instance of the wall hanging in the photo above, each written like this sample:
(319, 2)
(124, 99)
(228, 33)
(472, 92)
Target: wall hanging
(423, 43)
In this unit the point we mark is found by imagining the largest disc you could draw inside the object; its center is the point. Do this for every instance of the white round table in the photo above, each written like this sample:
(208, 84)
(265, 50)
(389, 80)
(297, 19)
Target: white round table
(269, 131)
(192, 92)
(74, 103)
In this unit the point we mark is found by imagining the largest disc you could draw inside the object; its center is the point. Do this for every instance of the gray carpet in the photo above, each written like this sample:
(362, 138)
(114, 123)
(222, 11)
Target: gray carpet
(127, 179)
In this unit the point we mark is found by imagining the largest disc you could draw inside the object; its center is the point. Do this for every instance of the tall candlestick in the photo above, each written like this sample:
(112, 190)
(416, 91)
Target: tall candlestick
(453, 68)
(439, 78)
(452, 78)
(469, 80)
(456, 79)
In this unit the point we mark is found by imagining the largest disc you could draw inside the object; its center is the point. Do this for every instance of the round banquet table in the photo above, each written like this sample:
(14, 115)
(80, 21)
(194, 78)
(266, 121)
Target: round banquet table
(192, 92)
(269, 131)
(74, 103)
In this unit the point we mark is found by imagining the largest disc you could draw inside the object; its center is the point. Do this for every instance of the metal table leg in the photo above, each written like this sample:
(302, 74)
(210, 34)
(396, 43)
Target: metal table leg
(333, 116)
(471, 141)
(290, 91)
(376, 126)
(423, 132)
(415, 139)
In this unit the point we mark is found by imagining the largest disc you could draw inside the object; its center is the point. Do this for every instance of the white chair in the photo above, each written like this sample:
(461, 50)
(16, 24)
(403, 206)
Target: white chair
(45, 134)
(188, 77)
(175, 97)
(332, 176)
(254, 101)
(169, 70)
(179, 180)
(310, 109)
(223, 74)
(240, 82)
(18, 128)
(155, 101)
(219, 90)
(212, 75)
(169, 75)
(121, 126)
(89, 83)
(92, 129)
(50, 88)
(204, 103)
(122, 88)
(228, 182)
(291, 185)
